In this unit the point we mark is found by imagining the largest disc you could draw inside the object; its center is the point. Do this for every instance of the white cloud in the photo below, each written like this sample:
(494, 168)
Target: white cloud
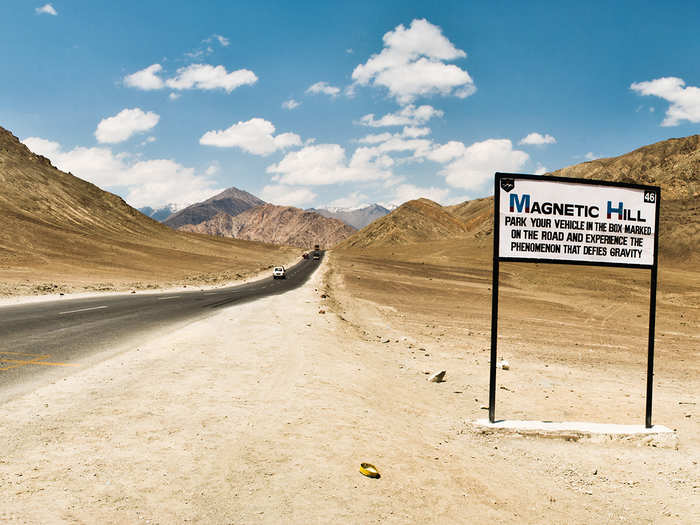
(148, 140)
(411, 64)
(324, 88)
(349, 51)
(205, 49)
(208, 77)
(213, 169)
(408, 192)
(194, 76)
(125, 124)
(283, 195)
(173, 96)
(44, 147)
(413, 132)
(685, 101)
(354, 200)
(254, 136)
(147, 183)
(477, 164)
(146, 79)
(541, 169)
(407, 116)
(591, 156)
(222, 40)
(326, 164)
(375, 138)
(46, 9)
(290, 104)
(418, 147)
(536, 139)
(162, 181)
(397, 142)
(446, 152)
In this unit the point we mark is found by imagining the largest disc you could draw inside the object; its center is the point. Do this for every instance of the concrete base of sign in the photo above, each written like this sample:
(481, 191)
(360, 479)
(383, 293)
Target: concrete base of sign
(657, 435)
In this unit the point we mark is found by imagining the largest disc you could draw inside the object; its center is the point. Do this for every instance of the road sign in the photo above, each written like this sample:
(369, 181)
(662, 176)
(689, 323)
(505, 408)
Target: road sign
(574, 221)
(547, 219)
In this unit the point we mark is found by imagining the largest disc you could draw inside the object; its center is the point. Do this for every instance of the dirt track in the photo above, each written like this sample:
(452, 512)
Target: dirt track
(263, 413)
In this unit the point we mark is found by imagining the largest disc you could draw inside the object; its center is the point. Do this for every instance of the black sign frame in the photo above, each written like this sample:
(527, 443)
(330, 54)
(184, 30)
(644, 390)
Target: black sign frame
(508, 179)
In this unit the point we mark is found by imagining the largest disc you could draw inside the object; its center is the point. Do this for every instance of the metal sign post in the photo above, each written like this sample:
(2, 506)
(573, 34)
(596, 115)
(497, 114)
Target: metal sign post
(574, 221)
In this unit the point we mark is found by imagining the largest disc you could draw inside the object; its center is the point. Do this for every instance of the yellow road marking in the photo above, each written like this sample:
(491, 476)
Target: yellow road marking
(23, 353)
(32, 362)
(37, 359)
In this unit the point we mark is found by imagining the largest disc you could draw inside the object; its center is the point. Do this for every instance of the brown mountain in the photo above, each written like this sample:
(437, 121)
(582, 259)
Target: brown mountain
(59, 228)
(231, 201)
(673, 164)
(277, 225)
(414, 221)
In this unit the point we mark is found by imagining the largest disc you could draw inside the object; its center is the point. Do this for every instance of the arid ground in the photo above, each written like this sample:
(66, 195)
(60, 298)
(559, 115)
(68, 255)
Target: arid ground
(263, 413)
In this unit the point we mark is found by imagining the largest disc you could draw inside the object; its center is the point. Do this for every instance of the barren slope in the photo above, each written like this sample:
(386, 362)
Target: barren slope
(232, 201)
(62, 233)
(673, 164)
(278, 225)
(414, 221)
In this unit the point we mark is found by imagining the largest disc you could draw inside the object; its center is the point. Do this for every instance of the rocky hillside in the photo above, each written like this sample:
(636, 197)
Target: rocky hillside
(673, 164)
(357, 218)
(231, 201)
(58, 227)
(414, 221)
(282, 225)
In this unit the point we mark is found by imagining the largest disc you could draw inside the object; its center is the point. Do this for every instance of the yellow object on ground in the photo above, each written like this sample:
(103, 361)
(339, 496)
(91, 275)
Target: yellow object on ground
(369, 470)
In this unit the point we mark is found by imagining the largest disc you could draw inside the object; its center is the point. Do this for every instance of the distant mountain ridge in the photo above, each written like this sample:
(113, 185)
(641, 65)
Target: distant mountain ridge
(283, 225)
(159, 214)
(356, 217)
(231, 201)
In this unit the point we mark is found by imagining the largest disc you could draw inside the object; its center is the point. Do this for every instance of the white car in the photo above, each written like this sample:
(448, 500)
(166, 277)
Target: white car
(278, 272)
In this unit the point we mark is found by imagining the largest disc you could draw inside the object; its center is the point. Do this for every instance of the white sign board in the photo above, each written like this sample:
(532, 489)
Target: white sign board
(569, 220)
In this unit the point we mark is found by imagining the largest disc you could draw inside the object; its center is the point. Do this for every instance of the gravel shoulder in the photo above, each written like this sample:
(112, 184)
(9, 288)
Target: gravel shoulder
(263, 412)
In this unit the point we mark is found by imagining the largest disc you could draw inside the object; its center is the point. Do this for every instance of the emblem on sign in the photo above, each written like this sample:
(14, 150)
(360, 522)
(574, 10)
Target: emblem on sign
(507, 184)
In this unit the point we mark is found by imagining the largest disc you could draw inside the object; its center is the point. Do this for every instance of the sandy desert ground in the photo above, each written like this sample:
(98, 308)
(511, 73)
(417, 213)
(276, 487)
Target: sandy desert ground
(263, 412)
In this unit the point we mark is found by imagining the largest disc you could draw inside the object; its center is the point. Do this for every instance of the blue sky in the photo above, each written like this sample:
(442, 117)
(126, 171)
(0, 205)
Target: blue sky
(341, 103)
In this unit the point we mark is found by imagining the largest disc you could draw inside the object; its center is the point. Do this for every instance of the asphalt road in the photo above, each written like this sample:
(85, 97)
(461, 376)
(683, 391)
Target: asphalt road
(45, 340)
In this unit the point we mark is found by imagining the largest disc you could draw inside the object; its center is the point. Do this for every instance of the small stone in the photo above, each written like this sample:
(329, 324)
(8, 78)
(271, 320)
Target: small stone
(438, 378)
(503, 364)
(322, 311)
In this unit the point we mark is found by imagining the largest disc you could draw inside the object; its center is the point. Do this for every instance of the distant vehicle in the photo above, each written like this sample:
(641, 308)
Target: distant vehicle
(305, 256)
(317, 256)
(278, 272)
(316, 247)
